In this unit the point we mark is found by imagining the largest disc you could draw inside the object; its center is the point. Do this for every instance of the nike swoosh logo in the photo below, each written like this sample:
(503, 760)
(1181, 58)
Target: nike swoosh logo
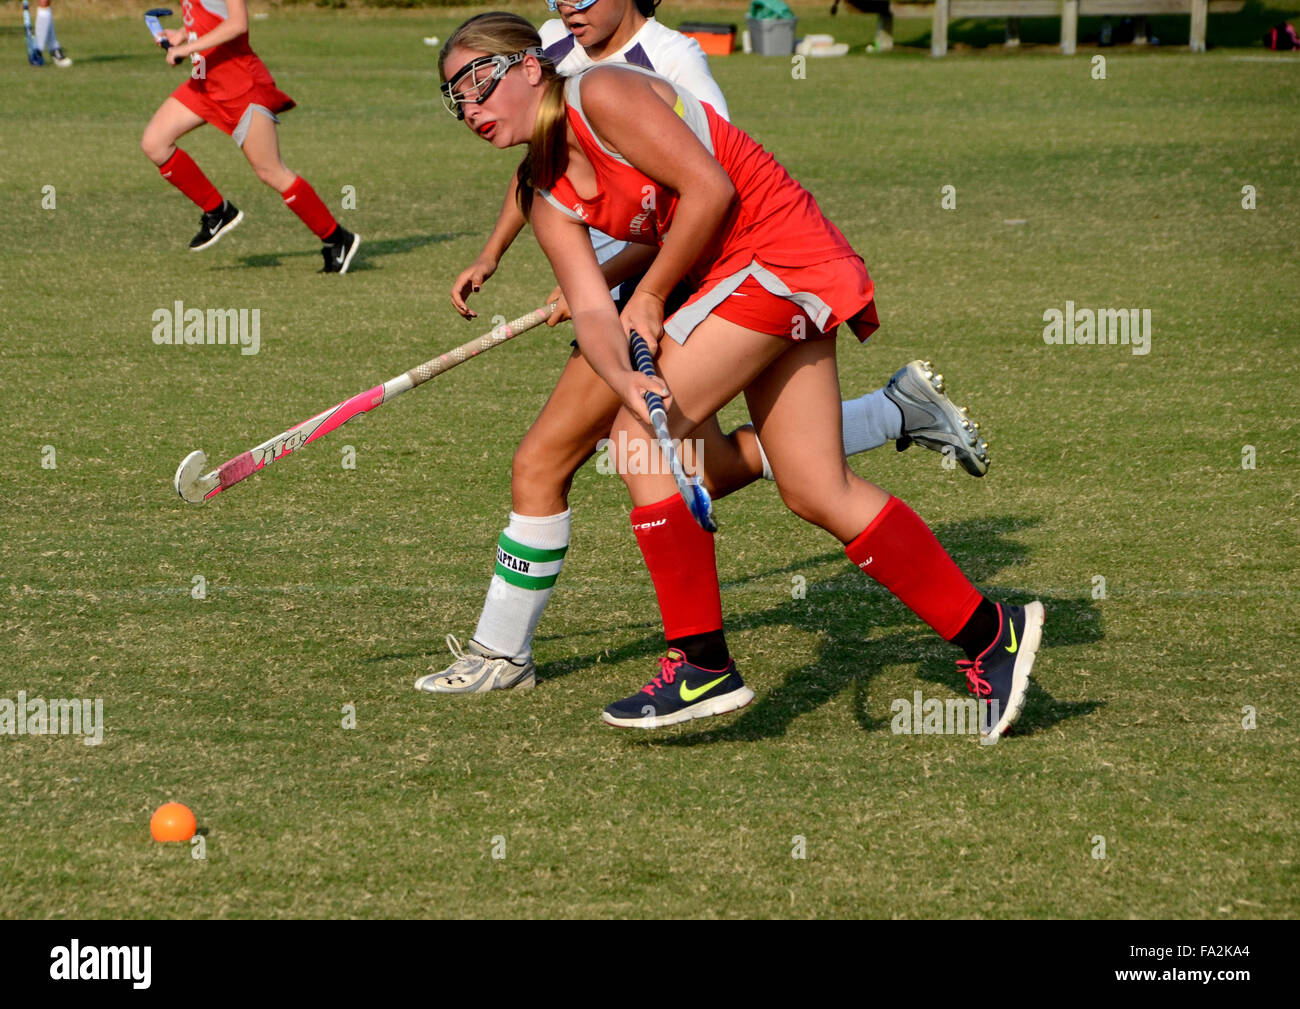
(688, 695)
(1013, 646)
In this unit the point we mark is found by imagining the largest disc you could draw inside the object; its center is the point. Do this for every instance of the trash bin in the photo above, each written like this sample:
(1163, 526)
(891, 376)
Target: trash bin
(772, 36)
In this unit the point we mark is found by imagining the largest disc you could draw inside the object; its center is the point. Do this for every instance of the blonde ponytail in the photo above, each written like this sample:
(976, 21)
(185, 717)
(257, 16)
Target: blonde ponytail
(548, 151)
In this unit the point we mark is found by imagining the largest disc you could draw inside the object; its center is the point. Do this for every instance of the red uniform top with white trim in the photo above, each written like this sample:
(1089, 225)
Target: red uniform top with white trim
(230, 69)
(774, 220)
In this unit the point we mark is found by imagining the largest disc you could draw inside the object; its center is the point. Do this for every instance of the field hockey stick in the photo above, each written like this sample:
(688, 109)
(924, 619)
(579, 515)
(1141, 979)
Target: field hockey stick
(195, 486)
(693, 493)
(155, 27)
(34, 56)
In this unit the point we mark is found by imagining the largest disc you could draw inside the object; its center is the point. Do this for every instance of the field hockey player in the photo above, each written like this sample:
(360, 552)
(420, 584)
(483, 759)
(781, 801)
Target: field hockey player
(531, 549)
(729, 220)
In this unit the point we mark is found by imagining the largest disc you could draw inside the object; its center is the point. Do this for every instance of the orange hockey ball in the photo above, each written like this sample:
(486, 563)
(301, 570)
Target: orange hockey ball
(173, 821)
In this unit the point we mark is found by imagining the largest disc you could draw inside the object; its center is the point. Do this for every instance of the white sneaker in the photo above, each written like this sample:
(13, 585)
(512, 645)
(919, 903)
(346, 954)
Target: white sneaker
(476, 671)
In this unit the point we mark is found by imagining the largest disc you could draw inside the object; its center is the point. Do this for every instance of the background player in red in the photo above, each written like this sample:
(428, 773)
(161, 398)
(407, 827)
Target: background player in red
(230, 87)
(634, 155)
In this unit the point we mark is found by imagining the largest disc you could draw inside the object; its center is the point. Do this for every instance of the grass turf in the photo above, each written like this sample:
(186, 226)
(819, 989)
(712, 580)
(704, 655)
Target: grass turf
(329, 587)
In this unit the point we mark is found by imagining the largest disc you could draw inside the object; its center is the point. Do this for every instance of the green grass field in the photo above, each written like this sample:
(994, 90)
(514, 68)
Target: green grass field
(328, 587)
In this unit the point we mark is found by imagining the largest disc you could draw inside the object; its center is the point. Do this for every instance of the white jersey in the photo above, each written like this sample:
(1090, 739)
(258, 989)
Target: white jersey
(655, 47)
(659, 49)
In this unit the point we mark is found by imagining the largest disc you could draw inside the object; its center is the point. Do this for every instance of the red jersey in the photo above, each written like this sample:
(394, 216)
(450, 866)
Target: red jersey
(774, 219)
(226, 71)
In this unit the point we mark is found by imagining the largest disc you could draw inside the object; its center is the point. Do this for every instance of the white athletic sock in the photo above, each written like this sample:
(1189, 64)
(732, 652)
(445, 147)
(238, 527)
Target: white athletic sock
(530, 554)
(870, 421)
(767, 467)
(45, 29)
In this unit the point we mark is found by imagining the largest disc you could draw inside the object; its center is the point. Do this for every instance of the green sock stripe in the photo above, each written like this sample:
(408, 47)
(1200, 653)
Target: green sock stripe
(525, 581)
(528, 553)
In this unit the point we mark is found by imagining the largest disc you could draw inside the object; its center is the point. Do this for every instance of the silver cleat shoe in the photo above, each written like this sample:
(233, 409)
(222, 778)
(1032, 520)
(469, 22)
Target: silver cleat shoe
(931, 420)
(477, 671)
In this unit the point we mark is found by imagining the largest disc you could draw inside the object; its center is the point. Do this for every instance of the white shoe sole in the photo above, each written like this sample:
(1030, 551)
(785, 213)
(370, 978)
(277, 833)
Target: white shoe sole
(347, 260)
(217, 237)
(1029, 642)
(719, 705)
(428, 684)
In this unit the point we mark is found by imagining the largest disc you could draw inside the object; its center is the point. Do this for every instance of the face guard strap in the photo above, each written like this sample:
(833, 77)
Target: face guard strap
(476, 80)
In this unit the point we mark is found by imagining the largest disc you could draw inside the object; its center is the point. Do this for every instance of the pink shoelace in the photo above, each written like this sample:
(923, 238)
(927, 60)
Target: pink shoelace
(975, 681)
(668, 667)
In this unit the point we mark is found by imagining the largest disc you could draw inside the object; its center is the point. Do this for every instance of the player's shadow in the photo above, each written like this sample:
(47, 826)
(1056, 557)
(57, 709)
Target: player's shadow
(371, 249)
(843, 610)
(114, 58)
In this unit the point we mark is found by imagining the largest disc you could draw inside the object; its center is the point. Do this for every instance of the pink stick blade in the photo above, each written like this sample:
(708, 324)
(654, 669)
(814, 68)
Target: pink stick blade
(235, 470)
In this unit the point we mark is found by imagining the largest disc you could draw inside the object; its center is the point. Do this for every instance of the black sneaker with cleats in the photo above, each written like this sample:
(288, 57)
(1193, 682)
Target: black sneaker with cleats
(338, 253)
(679, 693)
(215, 224)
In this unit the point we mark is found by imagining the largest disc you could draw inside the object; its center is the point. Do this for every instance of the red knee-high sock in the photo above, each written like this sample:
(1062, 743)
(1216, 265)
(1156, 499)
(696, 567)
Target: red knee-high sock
(898, 550)
(181, 171)
(303, 201)
(683, 567)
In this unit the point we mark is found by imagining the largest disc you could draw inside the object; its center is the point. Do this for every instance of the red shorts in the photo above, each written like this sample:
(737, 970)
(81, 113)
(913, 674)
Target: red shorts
(226, 113)
(798, 303)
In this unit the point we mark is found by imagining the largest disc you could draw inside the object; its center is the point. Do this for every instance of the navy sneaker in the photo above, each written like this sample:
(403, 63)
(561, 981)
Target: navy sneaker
(999, 675)
(679, 693)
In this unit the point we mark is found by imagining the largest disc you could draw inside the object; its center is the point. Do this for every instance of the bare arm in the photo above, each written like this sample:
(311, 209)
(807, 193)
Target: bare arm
(635, 120)
(509, 223)
(629, 262)
(601, 339)
(234, 26)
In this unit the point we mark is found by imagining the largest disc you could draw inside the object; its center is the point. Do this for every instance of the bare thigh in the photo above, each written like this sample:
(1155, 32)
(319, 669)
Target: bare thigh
(716, 363)
(795, 407)
(171, 122)
(576, 417)
(262, 149)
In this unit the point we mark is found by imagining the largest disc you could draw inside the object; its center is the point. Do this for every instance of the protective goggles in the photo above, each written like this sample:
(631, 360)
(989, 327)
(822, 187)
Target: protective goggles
(476, 80)
(581, 5)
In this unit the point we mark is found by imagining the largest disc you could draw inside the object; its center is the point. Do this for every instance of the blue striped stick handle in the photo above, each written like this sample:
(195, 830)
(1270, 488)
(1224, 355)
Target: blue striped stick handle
(696, 497)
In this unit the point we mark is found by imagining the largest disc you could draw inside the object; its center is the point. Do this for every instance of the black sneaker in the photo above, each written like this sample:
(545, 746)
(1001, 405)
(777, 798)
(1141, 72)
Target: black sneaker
(679, 693)
(59, 57)
(338, 254)
(216, 224)
(999, 675)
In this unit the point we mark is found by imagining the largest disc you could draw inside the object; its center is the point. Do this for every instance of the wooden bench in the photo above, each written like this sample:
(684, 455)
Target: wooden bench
(941, 12)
